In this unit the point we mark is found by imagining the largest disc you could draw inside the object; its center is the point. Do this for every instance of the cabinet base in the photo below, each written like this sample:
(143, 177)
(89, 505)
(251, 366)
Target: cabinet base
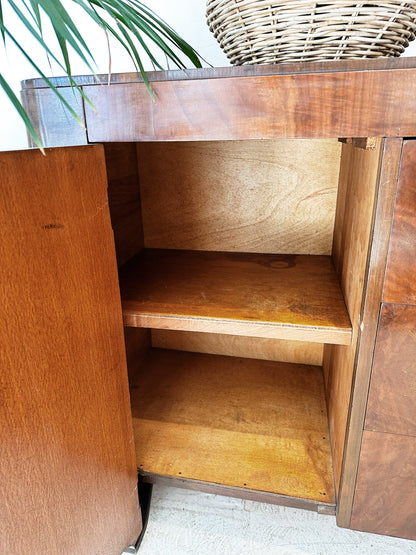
(251, 495)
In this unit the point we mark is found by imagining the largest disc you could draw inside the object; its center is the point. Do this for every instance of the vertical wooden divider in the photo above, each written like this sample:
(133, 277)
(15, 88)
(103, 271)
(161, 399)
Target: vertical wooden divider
(124, 199)
(126, 220)
(362, 228)
(357, 189)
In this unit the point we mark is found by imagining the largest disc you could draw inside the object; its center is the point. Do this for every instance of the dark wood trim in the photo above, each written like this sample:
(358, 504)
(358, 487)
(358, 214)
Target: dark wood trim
(383, 215)
(379, 64)
(241, 493)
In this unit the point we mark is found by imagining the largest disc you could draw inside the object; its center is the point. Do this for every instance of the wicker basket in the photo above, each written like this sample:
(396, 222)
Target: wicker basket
(266, 31)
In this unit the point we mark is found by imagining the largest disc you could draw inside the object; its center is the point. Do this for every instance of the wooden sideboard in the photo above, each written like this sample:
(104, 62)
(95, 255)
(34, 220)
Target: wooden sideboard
(264, 229)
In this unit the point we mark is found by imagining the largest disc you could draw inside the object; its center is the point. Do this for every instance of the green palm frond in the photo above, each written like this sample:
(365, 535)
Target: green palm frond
(130, 22)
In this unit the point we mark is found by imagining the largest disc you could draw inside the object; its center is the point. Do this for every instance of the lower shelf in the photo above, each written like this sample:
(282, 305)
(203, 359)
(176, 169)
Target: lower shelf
(239, 423)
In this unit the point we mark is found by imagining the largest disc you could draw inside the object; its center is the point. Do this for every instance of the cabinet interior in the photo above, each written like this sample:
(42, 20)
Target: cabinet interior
(242, 270)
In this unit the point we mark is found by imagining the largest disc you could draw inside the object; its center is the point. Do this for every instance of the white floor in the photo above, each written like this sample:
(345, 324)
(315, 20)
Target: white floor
(183, 521)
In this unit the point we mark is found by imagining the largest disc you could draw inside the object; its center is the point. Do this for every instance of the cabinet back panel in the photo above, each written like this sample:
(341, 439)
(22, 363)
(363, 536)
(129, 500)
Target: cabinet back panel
(271, 196)
(299, 352)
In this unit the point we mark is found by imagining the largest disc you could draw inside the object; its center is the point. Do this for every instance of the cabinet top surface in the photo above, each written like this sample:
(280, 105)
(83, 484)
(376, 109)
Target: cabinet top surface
(334, 66)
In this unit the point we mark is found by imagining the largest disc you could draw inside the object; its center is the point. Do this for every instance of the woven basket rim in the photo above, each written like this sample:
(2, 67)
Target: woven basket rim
(249, 31)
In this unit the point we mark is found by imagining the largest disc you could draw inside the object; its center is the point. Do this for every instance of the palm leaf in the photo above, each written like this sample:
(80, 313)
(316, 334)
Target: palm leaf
(35, 30)
(130, 22)
(21, 111)
(66, 31)
(1, 21)
(167, 31)
(44, 77)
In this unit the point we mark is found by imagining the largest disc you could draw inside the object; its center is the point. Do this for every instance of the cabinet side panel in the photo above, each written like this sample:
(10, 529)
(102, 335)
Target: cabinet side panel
(126, 221)
(68, 481)
(357, 189)
(400, 283)
(392, 399)
(245, 196)
(384, 501)
(348, 376)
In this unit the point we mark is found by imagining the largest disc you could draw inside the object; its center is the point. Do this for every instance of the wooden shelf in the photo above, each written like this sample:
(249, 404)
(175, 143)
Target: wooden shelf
(245, 423)
(258, 295)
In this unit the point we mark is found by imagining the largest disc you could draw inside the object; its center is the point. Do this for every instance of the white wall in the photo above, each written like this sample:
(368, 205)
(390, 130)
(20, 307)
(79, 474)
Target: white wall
(187, 17)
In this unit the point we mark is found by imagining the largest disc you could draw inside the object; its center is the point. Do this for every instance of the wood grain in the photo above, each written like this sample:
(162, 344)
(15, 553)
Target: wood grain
(238, 422)
(358, 184)
(247, 196)
(279, 296)
(384, 501)
(399, 285)
(53, 123)
(392, 399)
(68, 481)
(237, 345)
(124, 199)
(298, 105)
(373, 284)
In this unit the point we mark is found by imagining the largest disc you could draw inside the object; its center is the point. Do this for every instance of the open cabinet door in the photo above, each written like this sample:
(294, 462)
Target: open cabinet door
(68, 480)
